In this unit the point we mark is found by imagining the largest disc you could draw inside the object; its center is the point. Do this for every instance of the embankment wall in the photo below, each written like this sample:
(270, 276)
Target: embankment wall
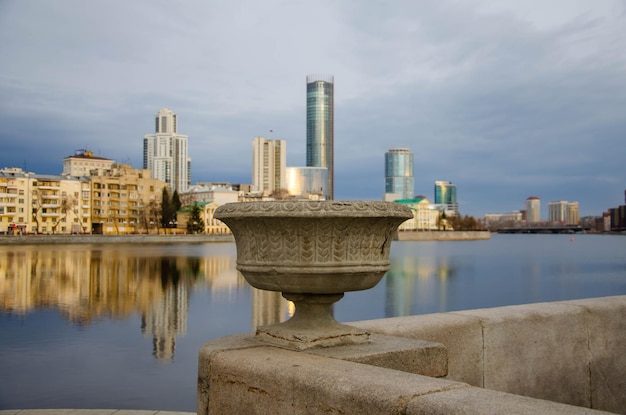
(443, 235)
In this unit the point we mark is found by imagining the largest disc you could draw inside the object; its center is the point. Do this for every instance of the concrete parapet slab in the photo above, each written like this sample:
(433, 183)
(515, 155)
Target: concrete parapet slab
(267, 380)
(477, 401)
(539, 351)
(461, 335)
(607, 351)
(408, 355)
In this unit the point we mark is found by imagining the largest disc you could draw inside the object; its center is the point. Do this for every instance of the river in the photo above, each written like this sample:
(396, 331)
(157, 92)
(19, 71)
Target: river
(120, 326)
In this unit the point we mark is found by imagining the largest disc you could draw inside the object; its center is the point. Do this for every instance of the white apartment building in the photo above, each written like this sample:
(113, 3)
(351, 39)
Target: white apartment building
(219, 193)
(166, 153)
(563, 212)
(269, 165)
(83, 162)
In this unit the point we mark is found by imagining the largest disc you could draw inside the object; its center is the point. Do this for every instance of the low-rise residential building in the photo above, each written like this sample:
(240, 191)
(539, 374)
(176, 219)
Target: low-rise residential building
(494, 221)
(82, 162)
(124, 200)
(58, 204)
(14, 200)
(212, 226)
(220, 193)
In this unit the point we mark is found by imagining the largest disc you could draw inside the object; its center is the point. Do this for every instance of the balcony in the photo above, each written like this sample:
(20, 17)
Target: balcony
(50, 215)
(49, 186)
(50, 205)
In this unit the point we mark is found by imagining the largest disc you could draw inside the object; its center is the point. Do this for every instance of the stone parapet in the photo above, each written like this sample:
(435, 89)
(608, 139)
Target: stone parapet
(572, 352)
(270, 380)
(550, 358)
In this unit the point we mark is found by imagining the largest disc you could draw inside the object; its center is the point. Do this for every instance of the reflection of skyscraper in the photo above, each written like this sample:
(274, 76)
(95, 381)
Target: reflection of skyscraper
(165, 152)
(166, 319)
(320, 126)
(268, 307)
(399, 172)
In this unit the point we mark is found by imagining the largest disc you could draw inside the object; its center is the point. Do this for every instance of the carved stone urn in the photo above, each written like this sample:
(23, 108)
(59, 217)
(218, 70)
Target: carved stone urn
(313, 252)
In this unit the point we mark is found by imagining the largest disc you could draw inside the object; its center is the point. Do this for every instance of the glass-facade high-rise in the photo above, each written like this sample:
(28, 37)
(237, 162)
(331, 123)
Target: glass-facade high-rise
(445, 194)
(399, 172)
(320, 126)
(307, 182)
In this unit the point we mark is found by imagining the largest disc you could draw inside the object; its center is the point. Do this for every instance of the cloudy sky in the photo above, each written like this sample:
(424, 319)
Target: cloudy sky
(504, 99)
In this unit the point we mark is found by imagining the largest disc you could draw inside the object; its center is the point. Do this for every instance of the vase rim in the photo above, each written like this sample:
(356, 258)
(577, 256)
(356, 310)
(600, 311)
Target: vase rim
(313, 208)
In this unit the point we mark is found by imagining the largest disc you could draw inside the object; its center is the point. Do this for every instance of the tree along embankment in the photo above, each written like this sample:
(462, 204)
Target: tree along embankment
(103, 239)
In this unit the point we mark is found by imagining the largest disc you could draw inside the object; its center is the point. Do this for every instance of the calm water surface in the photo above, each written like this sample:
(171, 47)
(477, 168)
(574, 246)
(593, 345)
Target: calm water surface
(112, 326)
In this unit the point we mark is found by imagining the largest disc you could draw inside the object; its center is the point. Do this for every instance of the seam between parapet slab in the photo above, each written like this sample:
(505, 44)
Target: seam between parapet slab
(406, 401)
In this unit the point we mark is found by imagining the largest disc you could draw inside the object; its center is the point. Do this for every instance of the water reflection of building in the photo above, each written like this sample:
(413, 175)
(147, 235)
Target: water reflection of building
(413, 281)
(88, 284)
(268, 307)
(166, 319)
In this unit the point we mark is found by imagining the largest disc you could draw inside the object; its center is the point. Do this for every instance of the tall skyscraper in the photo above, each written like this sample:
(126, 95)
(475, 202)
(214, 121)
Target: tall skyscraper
(166, 153)
(445, 194)
(269, 164)
(320, 126)
(399, 172)
(533, 209)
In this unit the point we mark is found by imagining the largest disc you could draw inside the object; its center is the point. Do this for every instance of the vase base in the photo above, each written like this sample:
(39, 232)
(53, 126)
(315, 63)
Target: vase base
(299, 338)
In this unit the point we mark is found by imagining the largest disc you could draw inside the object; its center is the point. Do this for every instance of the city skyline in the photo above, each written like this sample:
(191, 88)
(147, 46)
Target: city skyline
(505, 100)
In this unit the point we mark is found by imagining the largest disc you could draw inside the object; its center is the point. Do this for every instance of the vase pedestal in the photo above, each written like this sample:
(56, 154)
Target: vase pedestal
(312, 325)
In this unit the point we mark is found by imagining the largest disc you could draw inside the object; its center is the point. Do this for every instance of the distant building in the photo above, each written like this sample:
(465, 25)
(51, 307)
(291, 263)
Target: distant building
(124, 200)
(212, 226)
(399, 172)
(219, 193)
(166, 153)
(82, 162)
(320, 126)
(502, 220)
(533, 209)
(425, 217)
(618, 218)
(307, 182)
(15, 204)
(563, 212)
(445, 194)
(269, 164)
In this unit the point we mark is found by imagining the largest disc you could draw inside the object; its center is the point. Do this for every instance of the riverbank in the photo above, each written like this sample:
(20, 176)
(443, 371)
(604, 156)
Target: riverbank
(443, 235)
(115, 239)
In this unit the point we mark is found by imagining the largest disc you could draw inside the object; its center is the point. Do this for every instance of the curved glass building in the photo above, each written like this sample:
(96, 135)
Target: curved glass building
(307, 181)
(320, 126)
(399, 172)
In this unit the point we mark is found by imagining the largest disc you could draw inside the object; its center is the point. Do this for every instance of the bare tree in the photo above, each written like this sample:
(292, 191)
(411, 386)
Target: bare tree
(66, 206)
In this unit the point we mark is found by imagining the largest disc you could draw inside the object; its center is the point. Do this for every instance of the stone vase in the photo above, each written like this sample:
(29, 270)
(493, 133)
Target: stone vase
(313, 252)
